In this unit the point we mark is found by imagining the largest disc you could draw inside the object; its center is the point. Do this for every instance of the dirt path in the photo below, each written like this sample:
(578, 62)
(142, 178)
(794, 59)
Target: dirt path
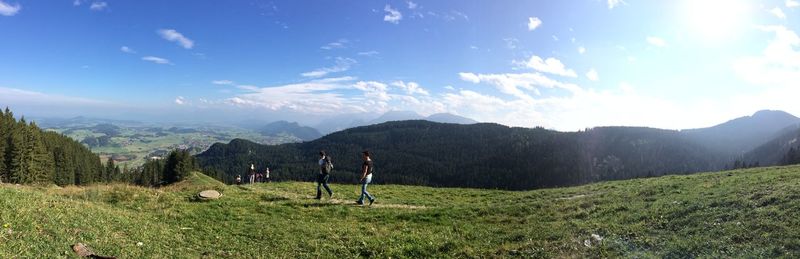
(299, 197)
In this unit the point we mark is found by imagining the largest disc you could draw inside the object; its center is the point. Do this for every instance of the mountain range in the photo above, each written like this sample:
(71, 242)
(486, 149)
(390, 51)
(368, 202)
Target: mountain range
(489, 155)
(279, 128)
(343, 122)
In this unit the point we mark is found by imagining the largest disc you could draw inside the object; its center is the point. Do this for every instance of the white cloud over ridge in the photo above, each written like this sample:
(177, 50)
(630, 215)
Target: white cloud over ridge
(549, 65)
(8, 9)
(656, 41)
(338, 44)
(156, 60)
(533, 23)
(614, 3)
(341, 65)
(392, 15)
(177, 37)
(592, 75)
(778, 13)
(97, 6)
(127, 49)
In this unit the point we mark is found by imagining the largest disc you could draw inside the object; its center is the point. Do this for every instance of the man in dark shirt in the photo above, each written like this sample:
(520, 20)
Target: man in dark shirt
(366, 177)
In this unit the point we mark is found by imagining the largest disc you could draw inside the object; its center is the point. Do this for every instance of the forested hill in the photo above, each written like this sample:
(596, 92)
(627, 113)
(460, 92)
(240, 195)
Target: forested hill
(30, 155)
(479, 155)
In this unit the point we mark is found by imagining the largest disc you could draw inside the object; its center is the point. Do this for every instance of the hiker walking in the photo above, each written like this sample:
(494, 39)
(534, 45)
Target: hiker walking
(266, 175)
(325, 168)
(252, 173)
(366, 177)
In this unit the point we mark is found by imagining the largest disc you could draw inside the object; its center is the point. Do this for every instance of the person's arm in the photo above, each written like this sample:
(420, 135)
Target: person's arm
(364, 171)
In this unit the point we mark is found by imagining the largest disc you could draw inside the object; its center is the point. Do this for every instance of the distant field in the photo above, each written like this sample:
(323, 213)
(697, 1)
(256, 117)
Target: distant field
(743, 213)
(140, 141)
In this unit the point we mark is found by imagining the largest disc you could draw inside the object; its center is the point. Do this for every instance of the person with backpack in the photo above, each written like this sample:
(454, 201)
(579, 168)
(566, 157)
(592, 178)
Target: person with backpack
(367, 169)
(325, 168)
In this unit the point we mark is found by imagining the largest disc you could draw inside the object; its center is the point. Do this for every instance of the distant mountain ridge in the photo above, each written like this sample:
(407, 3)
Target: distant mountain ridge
(303, 133)
(344, 122)
(486, 155)
(740, 135)
(480, 155)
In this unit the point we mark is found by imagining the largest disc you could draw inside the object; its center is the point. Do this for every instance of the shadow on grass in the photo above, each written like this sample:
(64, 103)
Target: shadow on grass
(272, 198)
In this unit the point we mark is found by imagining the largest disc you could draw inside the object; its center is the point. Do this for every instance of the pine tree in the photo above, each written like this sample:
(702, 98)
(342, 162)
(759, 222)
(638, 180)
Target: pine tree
(109, 170)
(4, 137)
(40, 167)
(20, 156)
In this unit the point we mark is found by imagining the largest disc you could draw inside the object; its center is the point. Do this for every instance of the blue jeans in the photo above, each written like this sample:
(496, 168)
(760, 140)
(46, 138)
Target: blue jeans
(322, 181)
(364, 192)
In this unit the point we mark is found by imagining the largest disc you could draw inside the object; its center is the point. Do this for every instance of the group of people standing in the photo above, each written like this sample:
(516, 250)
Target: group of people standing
(255, 177)
(326, 167)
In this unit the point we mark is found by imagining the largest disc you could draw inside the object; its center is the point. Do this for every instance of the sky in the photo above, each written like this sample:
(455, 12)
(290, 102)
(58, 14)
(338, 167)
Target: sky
(564, 65)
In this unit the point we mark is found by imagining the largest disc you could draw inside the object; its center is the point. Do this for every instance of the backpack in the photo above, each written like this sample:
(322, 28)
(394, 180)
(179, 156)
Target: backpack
(328, 167)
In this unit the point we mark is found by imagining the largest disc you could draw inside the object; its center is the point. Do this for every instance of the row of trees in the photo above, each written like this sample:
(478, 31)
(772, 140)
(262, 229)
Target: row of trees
(792, 156)
(480, 155)
(174, 167)
(31, 155)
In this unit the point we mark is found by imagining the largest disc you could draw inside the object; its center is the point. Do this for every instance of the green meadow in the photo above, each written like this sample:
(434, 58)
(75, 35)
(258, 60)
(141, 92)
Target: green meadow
(742, 213)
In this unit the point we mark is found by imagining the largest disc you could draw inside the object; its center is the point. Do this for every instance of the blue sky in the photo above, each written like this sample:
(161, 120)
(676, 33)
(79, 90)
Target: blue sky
(564, 65)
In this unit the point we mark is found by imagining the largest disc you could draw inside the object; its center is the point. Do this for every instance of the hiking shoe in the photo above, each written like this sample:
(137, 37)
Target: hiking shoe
(330, 196)
(360, 202)
(317, 198)
(371, 201)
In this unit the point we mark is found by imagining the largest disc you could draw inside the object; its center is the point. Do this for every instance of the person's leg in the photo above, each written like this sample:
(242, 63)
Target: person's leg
(363, 192)
(325, 184)
(366, 182)
(319, 184)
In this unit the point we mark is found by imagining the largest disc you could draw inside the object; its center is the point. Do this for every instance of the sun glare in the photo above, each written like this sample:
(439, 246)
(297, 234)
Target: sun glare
(715, 20)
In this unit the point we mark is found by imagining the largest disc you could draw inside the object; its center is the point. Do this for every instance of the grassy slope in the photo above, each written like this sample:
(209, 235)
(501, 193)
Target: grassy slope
(746, 212)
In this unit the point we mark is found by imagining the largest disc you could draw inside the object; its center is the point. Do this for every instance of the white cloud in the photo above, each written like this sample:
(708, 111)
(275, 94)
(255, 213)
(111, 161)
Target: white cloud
(549, 65)
(339, 44)
(778, 13)
(533, 23)
(180, 100)
(370, 53)
(392, 15)
(309, 97)
(792, 3)
(656, 41)
(250, 88)
(410, 88)
(8, 9)
(156, 60)
(177, 37)
(779, 64)
(581, 50)
(592, 75)
(98, 6)
(342, 64)
(412, 5)
(511, 43)
(222, 82)
(9, 96)
(126, 49)
(76, 2)
(517, 85)
(615, 3)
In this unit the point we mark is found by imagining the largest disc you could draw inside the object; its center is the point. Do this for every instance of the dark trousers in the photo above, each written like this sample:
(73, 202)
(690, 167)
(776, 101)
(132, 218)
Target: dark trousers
(322, 181)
